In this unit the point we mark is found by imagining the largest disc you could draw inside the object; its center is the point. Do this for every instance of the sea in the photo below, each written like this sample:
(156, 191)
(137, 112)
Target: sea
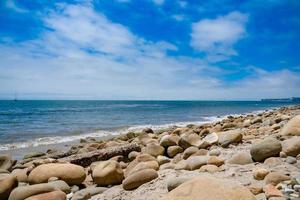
(29, 123)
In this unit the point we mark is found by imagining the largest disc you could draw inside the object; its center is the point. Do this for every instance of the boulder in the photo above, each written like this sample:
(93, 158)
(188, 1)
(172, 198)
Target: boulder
(174, 150)
(173, 183)
(132, 155)
(209, 168)
(214, 152)
(228, 137)
(271, 191)
(140, 158)
(169, 140)
(272, 161)
(215, 160)
(195, 162)
(154, 149)
(6, 186)
(291, 147)
(187, 140)
(88, 192)
(182, 165)
(5, 162)
(23, 192)
(138, 178)
(256, 120)
(55, 195)
(206, 187)
(241, 158)
(107, 173)
(20, 174)
(260, 173)
(265, 148)
(144, 165)
(292, 127)
(163, 160)
(70, 173)
(189, 151)
(276, 177)
(211, 138)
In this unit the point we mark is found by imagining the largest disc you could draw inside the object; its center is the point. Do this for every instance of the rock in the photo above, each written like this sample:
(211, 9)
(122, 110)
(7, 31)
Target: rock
(214, 152)
(154, 149)
(132, 155)
(189, 151)
(209, 188)
(291, 160)
(256, 120)
(70, 173)
(138, 178)
(87, 193)
(147, 130)
(187, 140)
(292, 127)
(214, 160)
(200, 152)
(211, 138)
(34, 155)
(162, 160)
(23, 192)
(275, 177)
(138, 159)
(255, 189)
(247, 123)
(6, 186)
(265, 148)
(173, 150)
(169, 140)
(260, 173)
(195, 162)
(5, 162)
(107, 173)
(182, 165)
(144, 165)
(20, 174)
(241, 158)
(209, 168)
(55, 195)
(229, 137)
(227, 126)
(272, 161)
(173, 183)
(261, 196)
(167, 166)
(291, 147)
(272, 191)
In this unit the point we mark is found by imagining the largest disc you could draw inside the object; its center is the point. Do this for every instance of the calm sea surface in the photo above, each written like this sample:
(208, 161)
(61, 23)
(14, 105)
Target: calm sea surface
(24, 123)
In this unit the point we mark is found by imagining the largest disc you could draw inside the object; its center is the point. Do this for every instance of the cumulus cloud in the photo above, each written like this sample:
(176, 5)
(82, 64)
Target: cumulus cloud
(216, 37)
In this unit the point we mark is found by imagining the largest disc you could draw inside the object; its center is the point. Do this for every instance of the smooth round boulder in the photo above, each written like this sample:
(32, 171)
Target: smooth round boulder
(107, 173)
(265, 148)
(211, 138)
(206, 187)
(187, 140)
(70, 173)
(163, 160)
(140, 158)
(169, 140)
(229, 137)
(241, 158)
(138, 178)
(292, 127)
(174, 150)
(195, 162)
(55, 195)
(291, 147)
(6, 186)
(260, 173)
(275, 177)
(5, 162)
(154, 149)
(209, 168)
(189, 151)
(144, 165)
(173, 183)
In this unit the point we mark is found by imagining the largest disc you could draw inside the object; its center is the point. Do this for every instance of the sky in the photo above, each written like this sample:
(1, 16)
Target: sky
(149, 49)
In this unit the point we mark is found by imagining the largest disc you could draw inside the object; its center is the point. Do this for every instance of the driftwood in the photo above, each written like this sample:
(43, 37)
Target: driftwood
(85, 159)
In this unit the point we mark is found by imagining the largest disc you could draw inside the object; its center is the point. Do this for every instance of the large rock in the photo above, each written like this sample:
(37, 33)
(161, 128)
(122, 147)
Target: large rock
(173, 183)
(209, 188)
(55, 195)
(70, 173)
(107, 173)
(6, 186)
(23, 192)
(189, 151)
(241, 158)
(292, 127)
(5, 162)
(154, 149)
(195, 162)
(228, 137)
(291, 147)
(169, 140)
(276, 177)
(174, 150)
(138, 178)
(265, 148)
(139, 159)
(187, 140)
(211, 139)
(88, 192)
(20, 174)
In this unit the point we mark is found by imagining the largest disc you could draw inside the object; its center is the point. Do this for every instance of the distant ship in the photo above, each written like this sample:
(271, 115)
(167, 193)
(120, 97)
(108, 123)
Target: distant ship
(292, 99)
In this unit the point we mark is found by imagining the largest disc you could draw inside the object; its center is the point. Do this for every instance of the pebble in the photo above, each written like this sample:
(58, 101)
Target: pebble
(291, 160)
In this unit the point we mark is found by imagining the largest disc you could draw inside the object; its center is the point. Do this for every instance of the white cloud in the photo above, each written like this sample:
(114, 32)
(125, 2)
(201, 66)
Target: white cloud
(216, 37)
(158, 2)
(11, 4)
(178, 17)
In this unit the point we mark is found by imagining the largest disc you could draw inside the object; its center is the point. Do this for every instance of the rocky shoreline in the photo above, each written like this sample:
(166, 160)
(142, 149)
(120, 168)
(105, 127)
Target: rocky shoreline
(255, 156)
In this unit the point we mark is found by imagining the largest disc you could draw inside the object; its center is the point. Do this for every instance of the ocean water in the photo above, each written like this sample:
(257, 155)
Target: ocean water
(32, 123)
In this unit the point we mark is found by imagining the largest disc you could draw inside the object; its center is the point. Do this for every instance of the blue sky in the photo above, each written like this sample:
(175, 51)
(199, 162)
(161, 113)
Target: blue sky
(149, 49)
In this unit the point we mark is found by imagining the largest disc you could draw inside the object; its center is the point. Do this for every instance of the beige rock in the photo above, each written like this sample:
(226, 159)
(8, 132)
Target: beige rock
(292, 127)
(173, 150)
(272, 161)
(291, 147)
(154, 149)
(260, 173)
(182, 165)
(209, 168)
(229, 137)
(209, 188)
(162, 160)
(272, 191)
(88, 192)
(215, 160)
(55, 195)
(187, 140)
(255, 189)
(275, 177)
(167, 166)
(214, 152)
(265, 148)
(107, 173)
(211, 138)
(6, 186)
(70, 173)
(173, 183)
(195, 162)
(200, 152)
(140, 158)
(241, 158)
(169, 140)
(20, 174)
(138, 178)
(132, 155)
(144, 165)
(5, 162)
(189, 151)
